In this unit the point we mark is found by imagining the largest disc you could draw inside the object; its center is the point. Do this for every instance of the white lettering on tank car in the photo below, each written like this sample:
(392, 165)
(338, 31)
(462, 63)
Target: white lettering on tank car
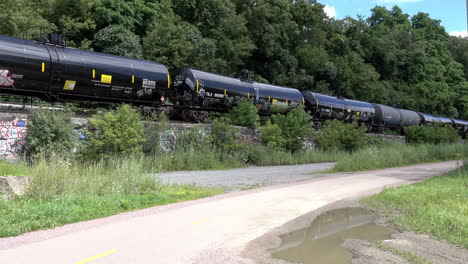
(149, 84)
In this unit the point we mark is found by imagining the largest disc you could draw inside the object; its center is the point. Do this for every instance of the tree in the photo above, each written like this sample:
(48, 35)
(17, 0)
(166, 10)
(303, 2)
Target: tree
(50, 133)
(118, 133)
(137, 16)
(168, 43)
(75, 18)
(117, 40)
(20, 18)
(294, 126)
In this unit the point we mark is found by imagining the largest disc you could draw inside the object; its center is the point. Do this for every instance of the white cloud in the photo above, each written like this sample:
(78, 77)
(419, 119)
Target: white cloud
(397, 1)
(330, 11)
(462, 34)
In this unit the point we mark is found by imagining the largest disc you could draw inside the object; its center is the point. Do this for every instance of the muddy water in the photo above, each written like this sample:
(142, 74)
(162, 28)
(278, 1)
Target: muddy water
(319, 243)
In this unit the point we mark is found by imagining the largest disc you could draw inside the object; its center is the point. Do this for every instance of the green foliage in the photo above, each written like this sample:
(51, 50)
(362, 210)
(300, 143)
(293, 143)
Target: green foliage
(20, 18)
(397, 155)
(118, 40)
(272, 136)
(432, 135)
(119, 132)
(434, 206)
(136, 16)
(63, 192)
(50, 133)
(390, 57)
(224, 136)
(195, 138)
(152, 134)
(8, 168)
(244, 113)
(336, 135)
(294, 127)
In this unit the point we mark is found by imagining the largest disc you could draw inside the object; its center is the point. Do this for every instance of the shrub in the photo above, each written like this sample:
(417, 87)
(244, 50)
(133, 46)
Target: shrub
(224, 136)
(50, 132)
(294, 126)
(244, 114)
(336, 135)
(195, 138)
(119, 132)
(432, 135)
(152, 134)
(272, 136)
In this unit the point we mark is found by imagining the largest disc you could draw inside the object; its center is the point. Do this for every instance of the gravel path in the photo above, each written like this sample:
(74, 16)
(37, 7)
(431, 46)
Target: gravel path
(238, 179)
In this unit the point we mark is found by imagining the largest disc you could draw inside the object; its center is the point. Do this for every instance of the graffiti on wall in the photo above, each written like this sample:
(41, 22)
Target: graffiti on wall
(12, 134)
(167, 141)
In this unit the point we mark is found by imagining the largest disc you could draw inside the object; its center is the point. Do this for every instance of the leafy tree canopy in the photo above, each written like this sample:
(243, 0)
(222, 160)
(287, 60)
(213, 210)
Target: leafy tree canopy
(389, 57)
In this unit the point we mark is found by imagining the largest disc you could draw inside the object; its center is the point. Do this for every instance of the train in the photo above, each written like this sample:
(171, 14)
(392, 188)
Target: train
(48, 69)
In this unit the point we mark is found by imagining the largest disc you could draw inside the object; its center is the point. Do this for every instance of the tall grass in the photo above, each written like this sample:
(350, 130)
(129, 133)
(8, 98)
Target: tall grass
(196, 159)
(399, 155)
(53, 178)
(261, 156)
(64, 192)
(13, 169)
(437, 206)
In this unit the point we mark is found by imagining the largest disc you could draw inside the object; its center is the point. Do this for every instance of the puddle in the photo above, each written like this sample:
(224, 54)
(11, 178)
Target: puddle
(319, 243)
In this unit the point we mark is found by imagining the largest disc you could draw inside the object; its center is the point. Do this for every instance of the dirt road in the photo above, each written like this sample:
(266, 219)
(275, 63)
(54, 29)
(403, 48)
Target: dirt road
(212, 230)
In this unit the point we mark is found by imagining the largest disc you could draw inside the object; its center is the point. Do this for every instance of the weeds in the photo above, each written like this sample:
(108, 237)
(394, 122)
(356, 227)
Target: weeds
(437, 206)
(399, 155)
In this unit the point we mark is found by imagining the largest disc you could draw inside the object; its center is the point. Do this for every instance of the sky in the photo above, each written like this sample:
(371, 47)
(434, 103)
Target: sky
(452, 13)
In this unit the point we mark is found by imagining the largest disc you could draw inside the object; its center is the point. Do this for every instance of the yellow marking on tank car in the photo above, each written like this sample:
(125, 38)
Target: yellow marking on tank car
(225, 92)
(168, 81)
(43, 67)
(94, 74)
(248, 95)
(69, 85)
(198, 86)
(106, 78)
(133, 78)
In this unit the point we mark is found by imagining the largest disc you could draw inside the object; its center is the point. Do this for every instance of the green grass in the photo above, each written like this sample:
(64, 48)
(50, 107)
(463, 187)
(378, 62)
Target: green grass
(438, 206)
(66, 192)
(13, 169)
(412, 258)
(397, 155)
(29, 214)
(70, 191)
